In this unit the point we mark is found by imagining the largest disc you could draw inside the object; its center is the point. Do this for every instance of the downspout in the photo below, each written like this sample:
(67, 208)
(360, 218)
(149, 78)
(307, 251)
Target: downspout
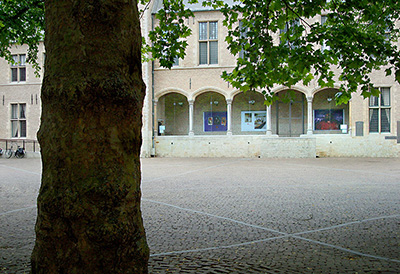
(153, 145)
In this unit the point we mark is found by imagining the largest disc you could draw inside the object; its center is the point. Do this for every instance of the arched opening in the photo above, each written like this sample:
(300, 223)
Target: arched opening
(289, 114)
(210, 114)
(249, 115)
(173, 114)
(328, 118)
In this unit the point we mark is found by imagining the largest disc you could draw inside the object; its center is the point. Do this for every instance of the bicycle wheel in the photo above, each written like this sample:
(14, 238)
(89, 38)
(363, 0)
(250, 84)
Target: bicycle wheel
(9, 153)
(19, 154)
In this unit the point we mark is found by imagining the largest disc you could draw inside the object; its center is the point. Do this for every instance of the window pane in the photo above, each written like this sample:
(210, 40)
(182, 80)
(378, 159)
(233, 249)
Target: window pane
(15, 58)
(373, 120)
(22, 111)
(14, 111)
(14, 75)
(241, 54)
(176, 61)
(385, 120)
(14, 128)
(373, 101)
(243, 34)
(323, 19)
(203, 53)
(22, 128)
(214, 52)
(22, 74)
(203, 31)
(385, 96)
(22, 59)
(213, 30)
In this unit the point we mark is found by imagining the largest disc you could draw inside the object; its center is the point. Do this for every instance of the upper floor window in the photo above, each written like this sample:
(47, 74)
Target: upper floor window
(176, 61)
(18, 68)
(243, 35)
(18, 120)
(379, 111)
(208, 43)
(287, 33)
(324, 46)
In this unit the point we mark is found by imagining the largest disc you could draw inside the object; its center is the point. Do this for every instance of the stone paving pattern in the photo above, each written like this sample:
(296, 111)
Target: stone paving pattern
(231, 215)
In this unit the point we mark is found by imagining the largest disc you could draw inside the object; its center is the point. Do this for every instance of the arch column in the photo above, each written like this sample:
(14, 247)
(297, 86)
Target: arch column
(155, 118)
(269, 121)
(229, 116)
(349, 129)
(191, 118)
(309, 115)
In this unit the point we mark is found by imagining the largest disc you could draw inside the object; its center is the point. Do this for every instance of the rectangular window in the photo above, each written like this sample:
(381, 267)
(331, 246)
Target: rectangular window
(176, 62)
(324, 46)
(18, 68)
(243, 35)
(18, 120)
(208, 43)
(379, 112)
(287, 33)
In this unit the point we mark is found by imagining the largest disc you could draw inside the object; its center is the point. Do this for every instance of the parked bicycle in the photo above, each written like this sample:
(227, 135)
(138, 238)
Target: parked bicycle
(19, 153)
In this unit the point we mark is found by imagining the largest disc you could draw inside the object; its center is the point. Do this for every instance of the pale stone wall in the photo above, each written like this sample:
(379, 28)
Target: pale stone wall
(147, 120)
(27, 92)
(347, 146)
(235, 146)
(193, 80)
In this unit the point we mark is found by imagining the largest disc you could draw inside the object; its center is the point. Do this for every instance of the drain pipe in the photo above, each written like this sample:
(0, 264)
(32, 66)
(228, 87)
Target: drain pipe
(153, 123)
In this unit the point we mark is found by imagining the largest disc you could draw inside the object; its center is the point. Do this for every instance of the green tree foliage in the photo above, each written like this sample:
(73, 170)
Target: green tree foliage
(360, 36)
(281, 42)
(169, 33)
(21, 22)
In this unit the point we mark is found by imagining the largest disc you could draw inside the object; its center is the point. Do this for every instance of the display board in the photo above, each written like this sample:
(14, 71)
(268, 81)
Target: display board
(328, 119)
(254, 120)
(215, 121)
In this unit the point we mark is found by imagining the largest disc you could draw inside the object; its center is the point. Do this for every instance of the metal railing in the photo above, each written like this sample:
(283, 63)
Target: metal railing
(27, 144)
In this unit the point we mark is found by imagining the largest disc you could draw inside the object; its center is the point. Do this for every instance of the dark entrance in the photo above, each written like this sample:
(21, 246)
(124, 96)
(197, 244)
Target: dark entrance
(290, 116)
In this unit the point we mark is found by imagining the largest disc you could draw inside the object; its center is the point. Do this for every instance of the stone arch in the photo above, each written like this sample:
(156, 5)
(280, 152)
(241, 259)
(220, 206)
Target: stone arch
(289, 117)
(249, 113)
(210, 113)
(329, 118)
(172, 112)
(318, 89)
(165, 91)
(238, 91)
(303, 90)
(209, 89)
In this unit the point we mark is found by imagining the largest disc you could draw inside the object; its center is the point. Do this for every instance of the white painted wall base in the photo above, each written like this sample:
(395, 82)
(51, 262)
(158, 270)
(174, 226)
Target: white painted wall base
(272, 147)
(235, 146)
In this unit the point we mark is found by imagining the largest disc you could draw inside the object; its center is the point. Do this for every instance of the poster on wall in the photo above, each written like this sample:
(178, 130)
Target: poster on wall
(215, 121)
(328, 119)
(254, 121)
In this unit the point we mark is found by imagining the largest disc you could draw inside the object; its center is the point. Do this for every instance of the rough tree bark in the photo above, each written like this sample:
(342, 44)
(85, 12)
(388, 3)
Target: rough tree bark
(89, 218)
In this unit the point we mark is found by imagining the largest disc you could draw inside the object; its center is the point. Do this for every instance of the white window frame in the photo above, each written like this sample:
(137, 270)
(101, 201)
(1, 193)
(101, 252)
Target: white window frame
(18, 68)
(324, 46)
(288, 26)
(375, 103)
(243, 35)
(208, 41)
(18, 120)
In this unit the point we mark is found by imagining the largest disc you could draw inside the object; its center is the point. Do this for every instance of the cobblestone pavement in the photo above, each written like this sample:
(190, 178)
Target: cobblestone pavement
(224, 215)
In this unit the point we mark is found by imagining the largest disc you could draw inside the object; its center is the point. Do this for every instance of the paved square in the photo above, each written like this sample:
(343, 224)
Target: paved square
(223, 215)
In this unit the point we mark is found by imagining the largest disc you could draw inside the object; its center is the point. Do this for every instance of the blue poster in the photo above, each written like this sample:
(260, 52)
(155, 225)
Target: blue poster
(215, 121)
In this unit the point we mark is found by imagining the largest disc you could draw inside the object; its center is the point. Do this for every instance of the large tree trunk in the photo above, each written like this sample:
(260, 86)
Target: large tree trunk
(89, 218)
